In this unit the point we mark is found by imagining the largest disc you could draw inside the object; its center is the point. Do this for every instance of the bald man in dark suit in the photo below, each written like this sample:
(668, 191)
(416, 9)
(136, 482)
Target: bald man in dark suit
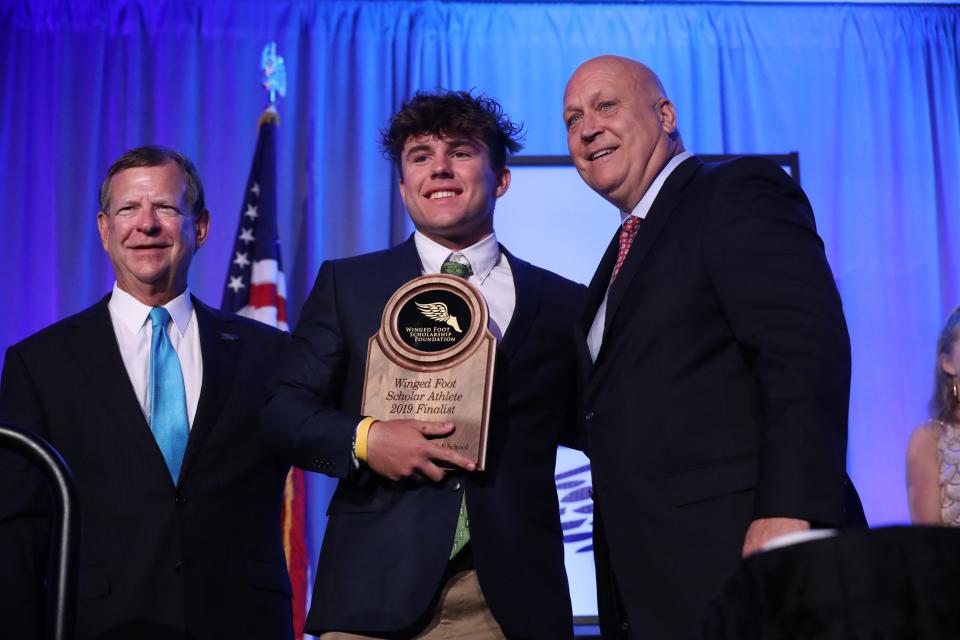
(714, 359)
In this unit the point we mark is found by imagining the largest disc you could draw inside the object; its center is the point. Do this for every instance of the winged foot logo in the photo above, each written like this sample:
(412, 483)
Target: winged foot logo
(434, 320)
(439, 312)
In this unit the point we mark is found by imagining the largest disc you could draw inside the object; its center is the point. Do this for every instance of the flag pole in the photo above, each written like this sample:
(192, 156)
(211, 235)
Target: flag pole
(256, 288)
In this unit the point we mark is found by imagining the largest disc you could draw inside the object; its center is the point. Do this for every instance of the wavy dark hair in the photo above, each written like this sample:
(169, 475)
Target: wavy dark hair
(943, 402)
(153, 155)
(453, 113)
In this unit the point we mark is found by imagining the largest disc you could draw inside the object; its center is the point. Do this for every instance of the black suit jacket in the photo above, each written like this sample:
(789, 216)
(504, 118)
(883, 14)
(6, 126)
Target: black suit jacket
(203, 559)
(719, 394)
(386, 544)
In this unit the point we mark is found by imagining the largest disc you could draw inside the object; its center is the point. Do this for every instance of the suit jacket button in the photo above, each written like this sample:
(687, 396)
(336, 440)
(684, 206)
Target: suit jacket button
(179, 567)
(455, 484)
(180, 500)
(589, 416)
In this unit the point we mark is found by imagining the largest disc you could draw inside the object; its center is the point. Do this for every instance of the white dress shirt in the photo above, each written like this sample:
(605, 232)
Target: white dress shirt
(491, 275)
(595, 336)
(134, 331)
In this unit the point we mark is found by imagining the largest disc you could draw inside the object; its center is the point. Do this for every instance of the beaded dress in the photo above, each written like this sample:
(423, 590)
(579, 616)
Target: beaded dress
(948, 455)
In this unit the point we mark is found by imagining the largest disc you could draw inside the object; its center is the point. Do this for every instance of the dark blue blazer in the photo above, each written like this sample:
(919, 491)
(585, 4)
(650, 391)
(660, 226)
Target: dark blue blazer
(202, 559)
(719, 394)
(386, 544)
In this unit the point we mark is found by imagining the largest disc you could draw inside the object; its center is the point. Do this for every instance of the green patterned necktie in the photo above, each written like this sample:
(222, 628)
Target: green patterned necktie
(455, 267)
(462, 535)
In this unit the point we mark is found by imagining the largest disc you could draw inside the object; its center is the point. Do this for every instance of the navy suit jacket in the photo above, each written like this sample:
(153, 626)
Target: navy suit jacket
(386, 544)
(719, 394)
(202, 559)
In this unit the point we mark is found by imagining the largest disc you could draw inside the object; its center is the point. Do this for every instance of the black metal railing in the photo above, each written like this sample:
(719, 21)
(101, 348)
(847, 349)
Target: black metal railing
(65, 534)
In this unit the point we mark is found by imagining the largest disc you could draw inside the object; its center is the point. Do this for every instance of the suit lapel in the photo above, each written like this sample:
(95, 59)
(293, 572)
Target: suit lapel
(219, 348)
(595, 292)
(98, 357)
(598, 284)
(408, 266)
(527, 285)
(659, 214)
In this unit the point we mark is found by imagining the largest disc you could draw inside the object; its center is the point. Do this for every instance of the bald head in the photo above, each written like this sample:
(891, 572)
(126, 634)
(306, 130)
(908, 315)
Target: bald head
(621, 127)
(639, 76)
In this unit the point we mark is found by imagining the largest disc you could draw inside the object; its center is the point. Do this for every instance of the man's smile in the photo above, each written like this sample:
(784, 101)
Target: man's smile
(442, 195)
(150, 247)
(602, 153)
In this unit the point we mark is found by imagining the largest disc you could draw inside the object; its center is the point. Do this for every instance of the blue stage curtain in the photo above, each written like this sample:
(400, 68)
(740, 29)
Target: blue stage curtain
(868, 94)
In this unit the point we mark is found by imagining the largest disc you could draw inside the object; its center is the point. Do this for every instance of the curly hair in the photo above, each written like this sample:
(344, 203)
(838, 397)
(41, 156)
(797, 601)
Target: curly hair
(155, 156)
(943, 402)
(446, 113)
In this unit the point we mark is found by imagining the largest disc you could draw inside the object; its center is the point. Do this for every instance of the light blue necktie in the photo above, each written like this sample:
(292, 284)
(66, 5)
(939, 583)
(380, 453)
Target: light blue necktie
(168, 401)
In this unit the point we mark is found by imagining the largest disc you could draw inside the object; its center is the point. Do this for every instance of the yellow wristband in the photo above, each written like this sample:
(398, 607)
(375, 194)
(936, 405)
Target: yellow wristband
(363, 430)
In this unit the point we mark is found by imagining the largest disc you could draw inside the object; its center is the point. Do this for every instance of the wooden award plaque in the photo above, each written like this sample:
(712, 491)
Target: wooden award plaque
(432, 360)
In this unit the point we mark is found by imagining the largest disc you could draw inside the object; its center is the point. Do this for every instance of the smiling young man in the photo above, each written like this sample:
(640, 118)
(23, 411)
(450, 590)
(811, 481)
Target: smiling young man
(411, 550)
(450, 188)
(715, 359)
(153, 399)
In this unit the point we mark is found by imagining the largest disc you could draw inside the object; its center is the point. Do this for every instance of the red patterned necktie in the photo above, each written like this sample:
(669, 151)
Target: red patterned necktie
(627, 233)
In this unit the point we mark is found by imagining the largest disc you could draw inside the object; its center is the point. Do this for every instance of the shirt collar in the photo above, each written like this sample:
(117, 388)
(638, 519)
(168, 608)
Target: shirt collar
(482, 256)
(643, 207)
(133, 314)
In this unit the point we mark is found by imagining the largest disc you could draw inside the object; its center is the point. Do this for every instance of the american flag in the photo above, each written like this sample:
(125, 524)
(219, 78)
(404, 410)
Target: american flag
(255, 285)
(256, 288)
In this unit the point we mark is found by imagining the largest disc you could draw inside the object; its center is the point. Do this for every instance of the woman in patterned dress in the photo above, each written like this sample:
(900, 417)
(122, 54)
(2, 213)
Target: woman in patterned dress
(933, 455)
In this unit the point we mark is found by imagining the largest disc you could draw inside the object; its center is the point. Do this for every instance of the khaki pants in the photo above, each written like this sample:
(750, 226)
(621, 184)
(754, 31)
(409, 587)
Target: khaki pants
(461, 614)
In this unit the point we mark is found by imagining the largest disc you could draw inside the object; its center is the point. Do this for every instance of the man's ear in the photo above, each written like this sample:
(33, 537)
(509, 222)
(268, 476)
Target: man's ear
(201, 227)
(103, 226)
(503, 182)
(403, 190)
(668, 115)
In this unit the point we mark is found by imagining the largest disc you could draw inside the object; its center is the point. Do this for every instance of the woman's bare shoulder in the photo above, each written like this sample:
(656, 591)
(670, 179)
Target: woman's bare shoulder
(925, 437)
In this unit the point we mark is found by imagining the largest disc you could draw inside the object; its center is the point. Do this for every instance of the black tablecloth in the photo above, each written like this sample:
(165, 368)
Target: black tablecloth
(895, 582)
